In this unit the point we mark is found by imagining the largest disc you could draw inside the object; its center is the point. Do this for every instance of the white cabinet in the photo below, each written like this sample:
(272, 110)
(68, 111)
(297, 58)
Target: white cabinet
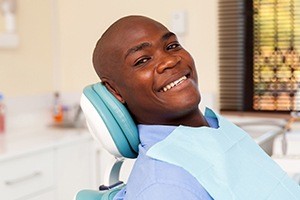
(26, 175)
(53, 167)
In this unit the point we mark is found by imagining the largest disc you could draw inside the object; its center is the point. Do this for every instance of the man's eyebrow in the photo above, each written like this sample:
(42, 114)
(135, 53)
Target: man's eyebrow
(137, 48)
(146, 44)
(168, 35)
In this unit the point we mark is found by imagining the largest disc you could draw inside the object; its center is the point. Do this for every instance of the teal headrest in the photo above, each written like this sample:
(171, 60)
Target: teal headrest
(118, 121)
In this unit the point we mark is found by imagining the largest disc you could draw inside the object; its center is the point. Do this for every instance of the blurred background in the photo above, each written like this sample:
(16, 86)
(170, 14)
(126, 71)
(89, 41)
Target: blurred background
(246, 54)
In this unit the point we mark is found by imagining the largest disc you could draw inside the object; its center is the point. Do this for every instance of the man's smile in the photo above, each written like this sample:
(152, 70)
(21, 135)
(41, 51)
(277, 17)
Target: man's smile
(174, 83)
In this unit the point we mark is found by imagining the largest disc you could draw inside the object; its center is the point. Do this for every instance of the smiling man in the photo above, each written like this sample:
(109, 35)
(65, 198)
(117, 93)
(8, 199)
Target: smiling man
(182, 154)
(143, 65)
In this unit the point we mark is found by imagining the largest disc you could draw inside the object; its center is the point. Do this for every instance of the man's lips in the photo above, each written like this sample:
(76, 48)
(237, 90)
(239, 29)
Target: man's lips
(174, 83)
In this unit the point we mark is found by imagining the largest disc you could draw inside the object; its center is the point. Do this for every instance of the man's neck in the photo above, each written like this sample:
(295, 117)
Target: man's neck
(195, 119)
(192, 119)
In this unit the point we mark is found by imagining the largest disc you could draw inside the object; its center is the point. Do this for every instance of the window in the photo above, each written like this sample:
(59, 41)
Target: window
(259, 44)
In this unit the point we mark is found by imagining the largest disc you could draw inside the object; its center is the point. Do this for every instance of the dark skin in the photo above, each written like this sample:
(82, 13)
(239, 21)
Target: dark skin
(143, 65)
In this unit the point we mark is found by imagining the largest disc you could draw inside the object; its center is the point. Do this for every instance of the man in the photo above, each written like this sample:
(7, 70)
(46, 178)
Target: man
(182, 154)
(143, 65)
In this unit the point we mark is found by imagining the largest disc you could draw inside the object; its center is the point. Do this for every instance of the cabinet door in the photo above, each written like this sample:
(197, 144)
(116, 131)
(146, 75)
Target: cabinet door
(74, 168)
(26, 175)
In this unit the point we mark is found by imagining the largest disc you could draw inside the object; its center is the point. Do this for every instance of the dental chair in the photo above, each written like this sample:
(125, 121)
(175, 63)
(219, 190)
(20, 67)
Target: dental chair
(110, 123)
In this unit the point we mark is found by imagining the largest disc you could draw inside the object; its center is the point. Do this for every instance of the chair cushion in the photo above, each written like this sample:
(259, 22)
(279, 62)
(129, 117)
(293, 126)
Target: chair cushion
(101, 107)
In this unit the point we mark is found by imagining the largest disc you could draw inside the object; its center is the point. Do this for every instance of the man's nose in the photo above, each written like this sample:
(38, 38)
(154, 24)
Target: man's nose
(168, 62)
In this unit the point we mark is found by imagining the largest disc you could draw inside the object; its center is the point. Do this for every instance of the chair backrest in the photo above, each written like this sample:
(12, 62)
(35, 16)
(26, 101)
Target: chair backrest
(111, 124)
(109, 121)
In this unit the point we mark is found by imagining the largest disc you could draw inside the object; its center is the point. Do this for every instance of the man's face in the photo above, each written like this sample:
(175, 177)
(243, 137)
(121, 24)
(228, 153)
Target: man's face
(156, 77)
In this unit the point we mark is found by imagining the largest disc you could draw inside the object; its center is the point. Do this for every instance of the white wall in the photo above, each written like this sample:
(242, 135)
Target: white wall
(58, 37)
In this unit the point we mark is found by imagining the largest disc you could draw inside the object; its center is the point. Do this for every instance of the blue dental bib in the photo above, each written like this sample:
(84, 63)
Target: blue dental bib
(226, 162)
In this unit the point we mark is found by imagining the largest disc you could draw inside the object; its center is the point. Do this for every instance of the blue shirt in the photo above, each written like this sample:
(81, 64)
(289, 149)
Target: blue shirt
(152, 179)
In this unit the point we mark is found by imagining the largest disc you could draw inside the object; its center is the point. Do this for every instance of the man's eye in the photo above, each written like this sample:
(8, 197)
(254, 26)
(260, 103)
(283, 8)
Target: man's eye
(173, 46)
(141, 61)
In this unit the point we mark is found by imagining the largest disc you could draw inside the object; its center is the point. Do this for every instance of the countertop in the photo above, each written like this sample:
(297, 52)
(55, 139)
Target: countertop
(18, 143)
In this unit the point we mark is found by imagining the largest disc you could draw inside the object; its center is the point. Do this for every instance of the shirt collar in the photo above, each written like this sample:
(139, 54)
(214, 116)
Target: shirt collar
(151, 134)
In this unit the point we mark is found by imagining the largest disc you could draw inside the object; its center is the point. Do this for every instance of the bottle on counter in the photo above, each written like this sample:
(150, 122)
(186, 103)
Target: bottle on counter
(58, 113)
(2, 114)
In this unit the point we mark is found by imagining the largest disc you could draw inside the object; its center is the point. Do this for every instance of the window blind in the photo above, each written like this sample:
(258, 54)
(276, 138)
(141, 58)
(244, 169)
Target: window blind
(231, 15)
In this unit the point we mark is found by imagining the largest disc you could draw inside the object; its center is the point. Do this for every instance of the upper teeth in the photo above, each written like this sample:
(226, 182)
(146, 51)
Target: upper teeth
(173, 84)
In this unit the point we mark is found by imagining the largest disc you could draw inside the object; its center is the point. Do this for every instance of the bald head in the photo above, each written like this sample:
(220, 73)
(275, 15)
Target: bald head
(107, 53)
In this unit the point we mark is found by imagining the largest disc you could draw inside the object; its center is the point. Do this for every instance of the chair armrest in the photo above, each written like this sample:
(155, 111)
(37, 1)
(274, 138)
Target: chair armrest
(89, 195)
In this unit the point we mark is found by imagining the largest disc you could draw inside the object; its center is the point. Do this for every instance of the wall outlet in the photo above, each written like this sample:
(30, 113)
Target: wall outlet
(178, 22)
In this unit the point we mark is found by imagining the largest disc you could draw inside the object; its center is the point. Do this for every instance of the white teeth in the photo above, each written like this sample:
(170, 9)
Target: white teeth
(173, 84)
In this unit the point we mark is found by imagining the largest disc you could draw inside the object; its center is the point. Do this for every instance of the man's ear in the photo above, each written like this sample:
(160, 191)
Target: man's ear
(114, 91)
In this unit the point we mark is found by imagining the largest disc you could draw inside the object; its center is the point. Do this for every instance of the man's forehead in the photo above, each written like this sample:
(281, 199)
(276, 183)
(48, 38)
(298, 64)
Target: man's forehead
(125, 34)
